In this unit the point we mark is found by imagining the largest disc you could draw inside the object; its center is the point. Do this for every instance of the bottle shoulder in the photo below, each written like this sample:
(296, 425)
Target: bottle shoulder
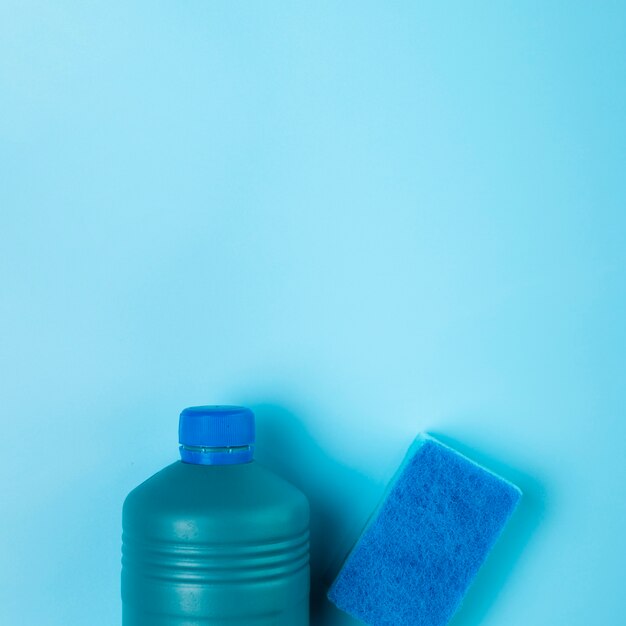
(245, 480)
(217, 497)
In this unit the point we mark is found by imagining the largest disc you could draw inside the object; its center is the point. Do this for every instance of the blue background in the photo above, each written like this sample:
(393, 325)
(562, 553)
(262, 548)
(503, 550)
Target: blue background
(364, 220)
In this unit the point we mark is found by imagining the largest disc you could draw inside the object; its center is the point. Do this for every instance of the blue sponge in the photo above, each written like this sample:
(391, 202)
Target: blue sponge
(425, 542)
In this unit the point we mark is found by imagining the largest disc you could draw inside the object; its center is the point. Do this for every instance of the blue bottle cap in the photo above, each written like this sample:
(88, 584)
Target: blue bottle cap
(216, 435)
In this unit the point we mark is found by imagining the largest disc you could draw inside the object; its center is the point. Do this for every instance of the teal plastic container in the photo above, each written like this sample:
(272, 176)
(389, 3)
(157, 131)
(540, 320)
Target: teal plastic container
(215, 539)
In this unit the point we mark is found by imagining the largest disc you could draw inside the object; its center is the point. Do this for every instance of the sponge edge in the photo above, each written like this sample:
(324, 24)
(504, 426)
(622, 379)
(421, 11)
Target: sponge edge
(424, 544)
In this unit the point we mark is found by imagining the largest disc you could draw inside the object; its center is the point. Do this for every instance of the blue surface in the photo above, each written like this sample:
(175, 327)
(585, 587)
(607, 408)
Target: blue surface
(363, 220)
(426, 541)
(216, 434)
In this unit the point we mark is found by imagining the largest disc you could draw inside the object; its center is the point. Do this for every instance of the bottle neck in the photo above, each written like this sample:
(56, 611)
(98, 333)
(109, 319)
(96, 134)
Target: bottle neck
(223, 455)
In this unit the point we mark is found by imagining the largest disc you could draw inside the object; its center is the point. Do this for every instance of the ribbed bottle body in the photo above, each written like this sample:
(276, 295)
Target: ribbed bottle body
(215, 546)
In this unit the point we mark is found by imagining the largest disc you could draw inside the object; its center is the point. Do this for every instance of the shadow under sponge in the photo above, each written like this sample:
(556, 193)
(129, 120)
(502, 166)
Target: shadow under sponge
(426, 540)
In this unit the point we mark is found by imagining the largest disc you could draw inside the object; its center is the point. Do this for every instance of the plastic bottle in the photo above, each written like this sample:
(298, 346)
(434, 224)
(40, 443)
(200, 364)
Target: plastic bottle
(215, 539)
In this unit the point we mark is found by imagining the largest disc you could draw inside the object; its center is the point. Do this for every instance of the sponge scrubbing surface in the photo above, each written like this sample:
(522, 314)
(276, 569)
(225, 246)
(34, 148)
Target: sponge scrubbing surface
(425, 542)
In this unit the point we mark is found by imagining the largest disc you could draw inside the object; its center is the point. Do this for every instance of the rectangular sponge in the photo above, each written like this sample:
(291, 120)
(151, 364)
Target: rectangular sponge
(425, 542)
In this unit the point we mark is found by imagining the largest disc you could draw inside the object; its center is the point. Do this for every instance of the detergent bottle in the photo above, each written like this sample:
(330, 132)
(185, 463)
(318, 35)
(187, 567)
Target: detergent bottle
(215, 539)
